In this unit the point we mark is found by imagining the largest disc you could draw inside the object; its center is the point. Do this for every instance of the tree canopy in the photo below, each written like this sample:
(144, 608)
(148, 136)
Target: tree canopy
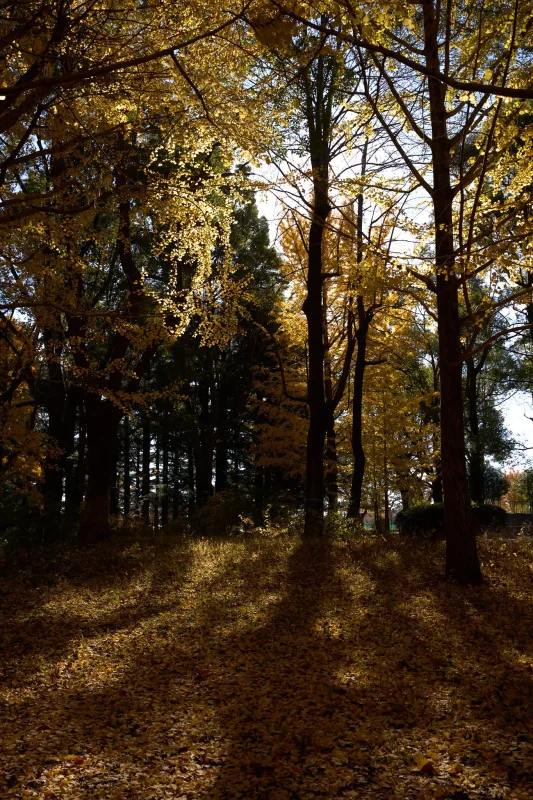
(160, 350)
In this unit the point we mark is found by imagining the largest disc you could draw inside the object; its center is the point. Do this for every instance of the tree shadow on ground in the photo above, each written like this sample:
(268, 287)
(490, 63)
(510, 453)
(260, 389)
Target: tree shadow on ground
(468, 654)
(278, 693)
(35, 630)
(416, 667)
(289, 670)
(119, 703)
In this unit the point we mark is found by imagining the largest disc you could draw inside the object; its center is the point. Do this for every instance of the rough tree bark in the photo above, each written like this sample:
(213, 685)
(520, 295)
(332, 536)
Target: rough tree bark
(318, 117)
(462, 563)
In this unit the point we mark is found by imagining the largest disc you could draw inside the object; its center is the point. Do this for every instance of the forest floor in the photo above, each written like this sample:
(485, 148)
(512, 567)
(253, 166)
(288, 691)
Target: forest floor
(266, 668)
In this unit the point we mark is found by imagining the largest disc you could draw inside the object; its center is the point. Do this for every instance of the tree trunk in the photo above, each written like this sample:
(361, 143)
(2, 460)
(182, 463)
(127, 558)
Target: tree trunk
(176, 493)
(377, 518)
(54, 401)
(312, 307)
(190, 477)
(221, 466)
(126, 473)
(476, 454)
(319, 101)
(437, 495)
(314, 495)
(138, 491)
(114, 489)
(203, 467)
(462, 563)
(332, 489)
(72, 505)
(157, 482)
(363, 322)
(55, 395)
(165, 487)
(386, 510)
(203, 445)
(259, 495)
(221, 458)
(102, 430)
(332, 486)
(81, 471)
(204, 478)
(145, 484)
(359, 458)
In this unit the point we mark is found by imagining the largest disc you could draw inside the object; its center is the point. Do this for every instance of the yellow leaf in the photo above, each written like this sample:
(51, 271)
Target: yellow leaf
(425, 765)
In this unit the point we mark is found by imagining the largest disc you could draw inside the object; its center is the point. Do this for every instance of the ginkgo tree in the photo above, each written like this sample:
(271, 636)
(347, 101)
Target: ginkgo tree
(400, 439)
(118, 186)
(325, 144)
(402, 135)
(444, 102)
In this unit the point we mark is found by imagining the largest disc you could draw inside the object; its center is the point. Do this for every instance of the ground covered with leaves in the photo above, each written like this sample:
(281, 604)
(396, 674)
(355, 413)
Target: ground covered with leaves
(266, 668)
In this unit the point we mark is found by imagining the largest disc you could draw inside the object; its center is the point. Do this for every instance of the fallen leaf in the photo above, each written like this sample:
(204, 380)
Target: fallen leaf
(425, 765)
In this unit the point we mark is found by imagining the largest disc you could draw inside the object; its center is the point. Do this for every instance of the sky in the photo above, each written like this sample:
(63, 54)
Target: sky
(516, 411)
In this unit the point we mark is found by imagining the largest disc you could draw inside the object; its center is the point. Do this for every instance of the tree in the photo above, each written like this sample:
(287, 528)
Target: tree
(23, 447)
(328, 233)
(375, 31)
(496, 485)
(56, 55)
(426, 124)
(119, 187)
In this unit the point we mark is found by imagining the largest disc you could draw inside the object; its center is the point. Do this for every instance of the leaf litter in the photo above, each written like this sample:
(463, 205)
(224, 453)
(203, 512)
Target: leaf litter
(269, 668)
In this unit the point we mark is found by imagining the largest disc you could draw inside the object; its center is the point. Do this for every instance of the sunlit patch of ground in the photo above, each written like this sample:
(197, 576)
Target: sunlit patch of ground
(267, 668)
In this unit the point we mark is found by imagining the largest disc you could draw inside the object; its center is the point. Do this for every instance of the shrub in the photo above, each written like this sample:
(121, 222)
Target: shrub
(21, 521)
(488, 516)
(429, 518)
(225, 512)
(422, 518)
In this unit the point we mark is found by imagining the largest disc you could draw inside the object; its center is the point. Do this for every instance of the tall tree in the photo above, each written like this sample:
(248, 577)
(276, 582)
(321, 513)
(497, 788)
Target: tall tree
(427, 122)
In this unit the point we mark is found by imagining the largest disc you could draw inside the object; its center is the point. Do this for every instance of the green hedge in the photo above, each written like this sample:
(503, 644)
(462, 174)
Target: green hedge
(429, 518)
(490, 516)
(422, 518)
